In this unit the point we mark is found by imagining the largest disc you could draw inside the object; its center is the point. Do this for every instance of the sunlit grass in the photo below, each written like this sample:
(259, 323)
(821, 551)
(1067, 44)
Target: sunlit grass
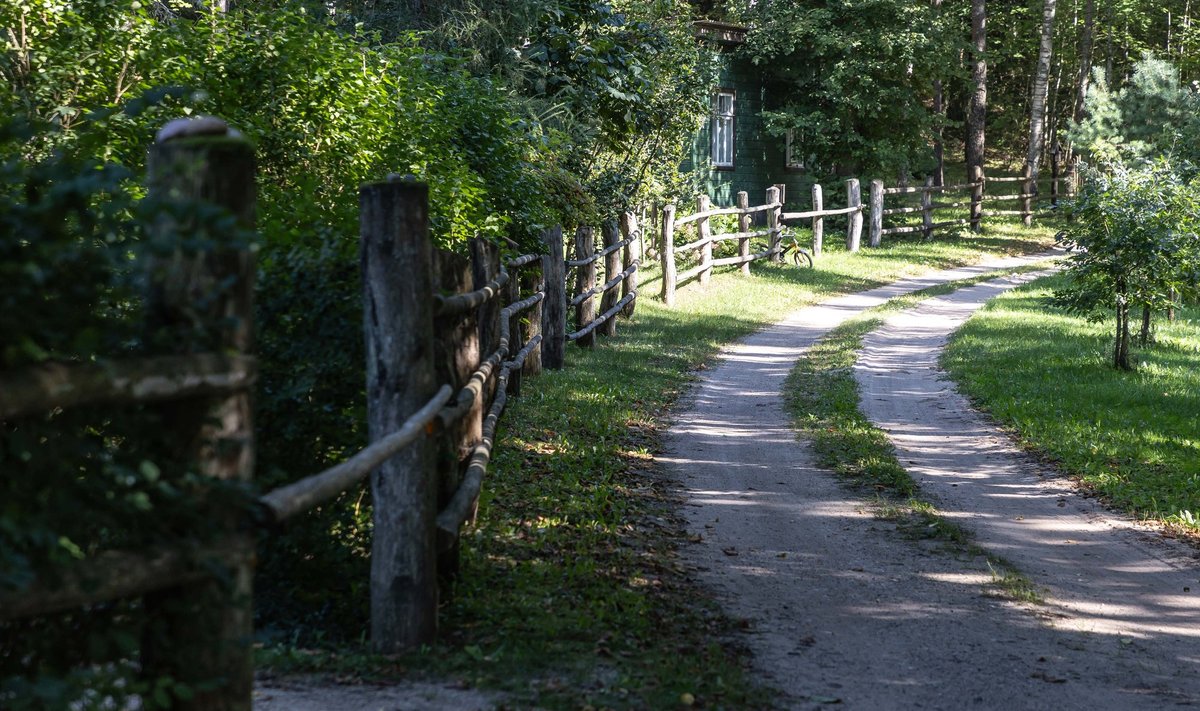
(1133, 437)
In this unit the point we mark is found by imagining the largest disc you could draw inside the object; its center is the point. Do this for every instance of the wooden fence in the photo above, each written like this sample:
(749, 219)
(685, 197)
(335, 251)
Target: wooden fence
(973, 198)
(448, 341)
(703, 245)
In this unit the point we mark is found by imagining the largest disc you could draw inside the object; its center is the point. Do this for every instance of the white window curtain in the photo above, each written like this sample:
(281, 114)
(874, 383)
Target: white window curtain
(722, 129)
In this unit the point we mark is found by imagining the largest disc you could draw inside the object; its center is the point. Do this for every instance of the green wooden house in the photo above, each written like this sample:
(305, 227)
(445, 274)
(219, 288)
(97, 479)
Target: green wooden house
(732, 152)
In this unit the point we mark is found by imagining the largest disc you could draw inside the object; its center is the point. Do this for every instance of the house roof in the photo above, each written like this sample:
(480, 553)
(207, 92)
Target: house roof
(720, 32)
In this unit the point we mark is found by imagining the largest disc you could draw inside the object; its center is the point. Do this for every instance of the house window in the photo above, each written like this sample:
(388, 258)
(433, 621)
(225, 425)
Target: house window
(792, 157)
(722, 130)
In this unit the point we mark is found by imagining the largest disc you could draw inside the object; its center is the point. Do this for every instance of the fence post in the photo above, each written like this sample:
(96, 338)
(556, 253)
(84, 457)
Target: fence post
(854, 219)
(976, 179)
(703, 232)
(456, 353)
(773, 224)
(1030, 189)
(554, 309)
(927, 208)
(398, 330)
(485, 266)
(516, 332)
(585, 279)
(818, 223)
(632, 256)
(668, 255)
(743, 202)
(876, 232)
(202, 632)
(532, 282)
(610, 233)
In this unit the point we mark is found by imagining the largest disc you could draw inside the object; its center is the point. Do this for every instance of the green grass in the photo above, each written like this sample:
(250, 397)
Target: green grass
(571, 594)
(1132, 437)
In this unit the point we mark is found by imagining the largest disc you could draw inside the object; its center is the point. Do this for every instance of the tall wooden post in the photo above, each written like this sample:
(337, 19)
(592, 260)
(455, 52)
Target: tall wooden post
(516, 334)
(612, 267)
(668, 255)
(1027, 194)
(743, 202)
(632, 256)
(818, 223)
(456, 353)
(854, 220)
(876, 231)
(485, 266)
(398, 328)
(585, 279)
(703, 233)
(975, 177)
(554, 309)
(927, 209)
(531, 282)
(773, 223)
(201, 634)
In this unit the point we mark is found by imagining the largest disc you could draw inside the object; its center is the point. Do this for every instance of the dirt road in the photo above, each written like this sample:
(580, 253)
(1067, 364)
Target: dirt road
(844, 609)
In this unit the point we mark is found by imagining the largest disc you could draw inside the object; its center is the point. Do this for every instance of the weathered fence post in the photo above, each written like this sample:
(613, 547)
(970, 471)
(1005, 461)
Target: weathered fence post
(585, 279)
(554, 309)
(485, 266)
(854, 219)
(516, 334)
(632, 256)
(818, 223)
(1027, 195)
(876, 231)
(668, 255)
(202, 633)
(927, 209)
(457, 353)
(743, 202)
(398, 329)
(612, 267)
(703, 233)
(773, 213)
(532, 281)
(975, 178)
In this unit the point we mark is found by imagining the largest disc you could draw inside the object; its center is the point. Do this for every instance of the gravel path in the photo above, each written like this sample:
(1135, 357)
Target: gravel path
(843, 608)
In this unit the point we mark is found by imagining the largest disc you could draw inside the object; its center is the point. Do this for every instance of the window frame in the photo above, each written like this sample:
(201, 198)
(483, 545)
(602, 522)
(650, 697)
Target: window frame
(731, 117)
(790, 160)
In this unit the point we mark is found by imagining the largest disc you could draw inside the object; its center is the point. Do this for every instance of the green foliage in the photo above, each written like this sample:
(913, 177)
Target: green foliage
(1138, 230)
(74, 243)
(851, 80)
(1150, 116)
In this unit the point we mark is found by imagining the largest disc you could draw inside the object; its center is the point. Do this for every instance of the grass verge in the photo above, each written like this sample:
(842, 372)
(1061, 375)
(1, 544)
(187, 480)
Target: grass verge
(1134, 438)
(823, 397)
(571, 594)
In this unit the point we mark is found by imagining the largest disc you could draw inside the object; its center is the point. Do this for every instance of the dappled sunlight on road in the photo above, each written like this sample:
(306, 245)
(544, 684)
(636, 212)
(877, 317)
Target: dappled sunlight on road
(1101, 574)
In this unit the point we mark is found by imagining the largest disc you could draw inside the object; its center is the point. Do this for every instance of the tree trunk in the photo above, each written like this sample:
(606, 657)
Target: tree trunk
(1085, 58)
(1144, 336)
(1121, 342)
(1037, 104)
(977, 111)
(939, 111)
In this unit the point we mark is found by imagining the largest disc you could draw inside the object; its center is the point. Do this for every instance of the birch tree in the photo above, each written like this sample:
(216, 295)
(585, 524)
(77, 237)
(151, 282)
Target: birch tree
(1037, 103)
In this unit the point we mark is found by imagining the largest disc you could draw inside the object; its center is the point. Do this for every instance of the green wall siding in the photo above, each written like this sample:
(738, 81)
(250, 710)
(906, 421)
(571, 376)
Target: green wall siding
(758, 157)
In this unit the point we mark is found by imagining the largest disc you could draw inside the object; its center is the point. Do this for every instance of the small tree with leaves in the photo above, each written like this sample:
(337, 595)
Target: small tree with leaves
(1139, 233)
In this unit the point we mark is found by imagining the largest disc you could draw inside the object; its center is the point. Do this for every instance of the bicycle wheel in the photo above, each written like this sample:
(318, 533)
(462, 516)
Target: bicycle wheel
(802, 258)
